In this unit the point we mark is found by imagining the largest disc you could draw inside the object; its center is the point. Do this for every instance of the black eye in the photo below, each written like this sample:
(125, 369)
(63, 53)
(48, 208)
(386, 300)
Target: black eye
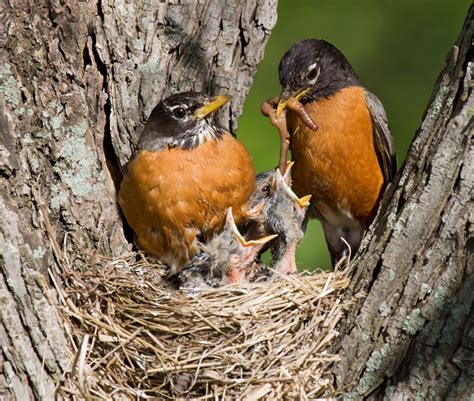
(179, 112)
(266, 188)
(313, 74)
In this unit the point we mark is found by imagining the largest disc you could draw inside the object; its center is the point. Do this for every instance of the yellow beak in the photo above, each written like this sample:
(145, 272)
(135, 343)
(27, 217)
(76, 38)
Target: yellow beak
(214, 104)
(255, 242)
(282, 104)
(304, 201)
(280, 182)
(230, 221)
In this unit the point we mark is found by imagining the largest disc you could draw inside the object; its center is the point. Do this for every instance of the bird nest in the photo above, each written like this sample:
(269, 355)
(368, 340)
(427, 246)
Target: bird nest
(135, 337)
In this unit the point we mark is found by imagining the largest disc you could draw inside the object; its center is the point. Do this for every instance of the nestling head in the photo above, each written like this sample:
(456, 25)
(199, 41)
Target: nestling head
(226, 259)
(285, 214)
(234, 253)
(263, 186)
(285, 211)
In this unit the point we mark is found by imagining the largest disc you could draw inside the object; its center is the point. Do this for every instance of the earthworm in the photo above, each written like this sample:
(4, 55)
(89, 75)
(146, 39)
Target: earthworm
(298, 108)
(268, 109)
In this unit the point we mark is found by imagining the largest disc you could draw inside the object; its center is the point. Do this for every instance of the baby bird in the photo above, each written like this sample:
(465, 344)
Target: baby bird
(254, 227)
(263, 185)
(284, 214)
(225, 259)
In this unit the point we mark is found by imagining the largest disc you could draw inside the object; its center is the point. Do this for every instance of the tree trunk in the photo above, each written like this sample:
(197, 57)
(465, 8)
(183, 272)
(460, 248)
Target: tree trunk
(412, 336)
(77, 81)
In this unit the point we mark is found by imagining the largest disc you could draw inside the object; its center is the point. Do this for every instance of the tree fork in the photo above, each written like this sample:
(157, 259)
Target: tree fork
(77, 82)
(413, 334)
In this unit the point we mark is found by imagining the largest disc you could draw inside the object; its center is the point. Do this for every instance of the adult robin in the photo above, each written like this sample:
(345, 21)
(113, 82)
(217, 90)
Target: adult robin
(226, 258)
(339, 139)
(184, 174)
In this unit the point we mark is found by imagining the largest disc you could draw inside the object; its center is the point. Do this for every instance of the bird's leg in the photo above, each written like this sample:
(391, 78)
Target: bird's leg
(299, 109)
(268, 109)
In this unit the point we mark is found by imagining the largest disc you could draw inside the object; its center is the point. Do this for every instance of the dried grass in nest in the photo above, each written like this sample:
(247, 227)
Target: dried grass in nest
(136, 338)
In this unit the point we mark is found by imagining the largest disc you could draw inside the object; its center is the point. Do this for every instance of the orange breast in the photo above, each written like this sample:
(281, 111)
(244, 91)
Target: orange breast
(171, 197)
(337, 164)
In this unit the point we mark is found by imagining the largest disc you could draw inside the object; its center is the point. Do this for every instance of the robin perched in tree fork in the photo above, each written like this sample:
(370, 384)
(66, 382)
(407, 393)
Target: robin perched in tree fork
(185, 173)
(339, 139)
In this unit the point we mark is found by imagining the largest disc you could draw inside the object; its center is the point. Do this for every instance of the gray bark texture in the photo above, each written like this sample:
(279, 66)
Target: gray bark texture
(77, 82)
(412, 336)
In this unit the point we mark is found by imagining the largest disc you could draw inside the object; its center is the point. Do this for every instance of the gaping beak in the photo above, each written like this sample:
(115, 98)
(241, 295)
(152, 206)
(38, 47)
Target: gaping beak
(280, 183)
(304, 201)
(287, 175)
(258, 242)
(284, 98)
(214, 104)
(256, 210)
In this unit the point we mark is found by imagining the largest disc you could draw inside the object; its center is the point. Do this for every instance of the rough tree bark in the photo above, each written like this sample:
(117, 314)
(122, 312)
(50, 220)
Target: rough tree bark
(77, 81)
(412, 337)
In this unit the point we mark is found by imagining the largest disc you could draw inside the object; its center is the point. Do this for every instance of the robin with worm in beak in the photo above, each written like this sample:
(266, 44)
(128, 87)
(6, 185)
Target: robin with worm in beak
(226, 259)
(339, 138)
(185, 173)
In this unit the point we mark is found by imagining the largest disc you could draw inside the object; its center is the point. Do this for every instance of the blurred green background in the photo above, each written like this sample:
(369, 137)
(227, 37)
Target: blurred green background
(397, 48)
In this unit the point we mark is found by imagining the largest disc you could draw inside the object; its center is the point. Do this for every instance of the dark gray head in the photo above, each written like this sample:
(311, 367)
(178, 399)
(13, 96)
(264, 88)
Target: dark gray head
(182, 120)
(312, 69)
(256, 227)
(263, 185)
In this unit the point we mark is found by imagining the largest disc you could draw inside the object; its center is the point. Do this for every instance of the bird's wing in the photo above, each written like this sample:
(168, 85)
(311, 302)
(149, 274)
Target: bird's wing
(383, 140)
(197, 273)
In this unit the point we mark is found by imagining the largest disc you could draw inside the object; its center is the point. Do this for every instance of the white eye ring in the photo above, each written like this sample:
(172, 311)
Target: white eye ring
(183, 106)
(310, 71)
(178, 106)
